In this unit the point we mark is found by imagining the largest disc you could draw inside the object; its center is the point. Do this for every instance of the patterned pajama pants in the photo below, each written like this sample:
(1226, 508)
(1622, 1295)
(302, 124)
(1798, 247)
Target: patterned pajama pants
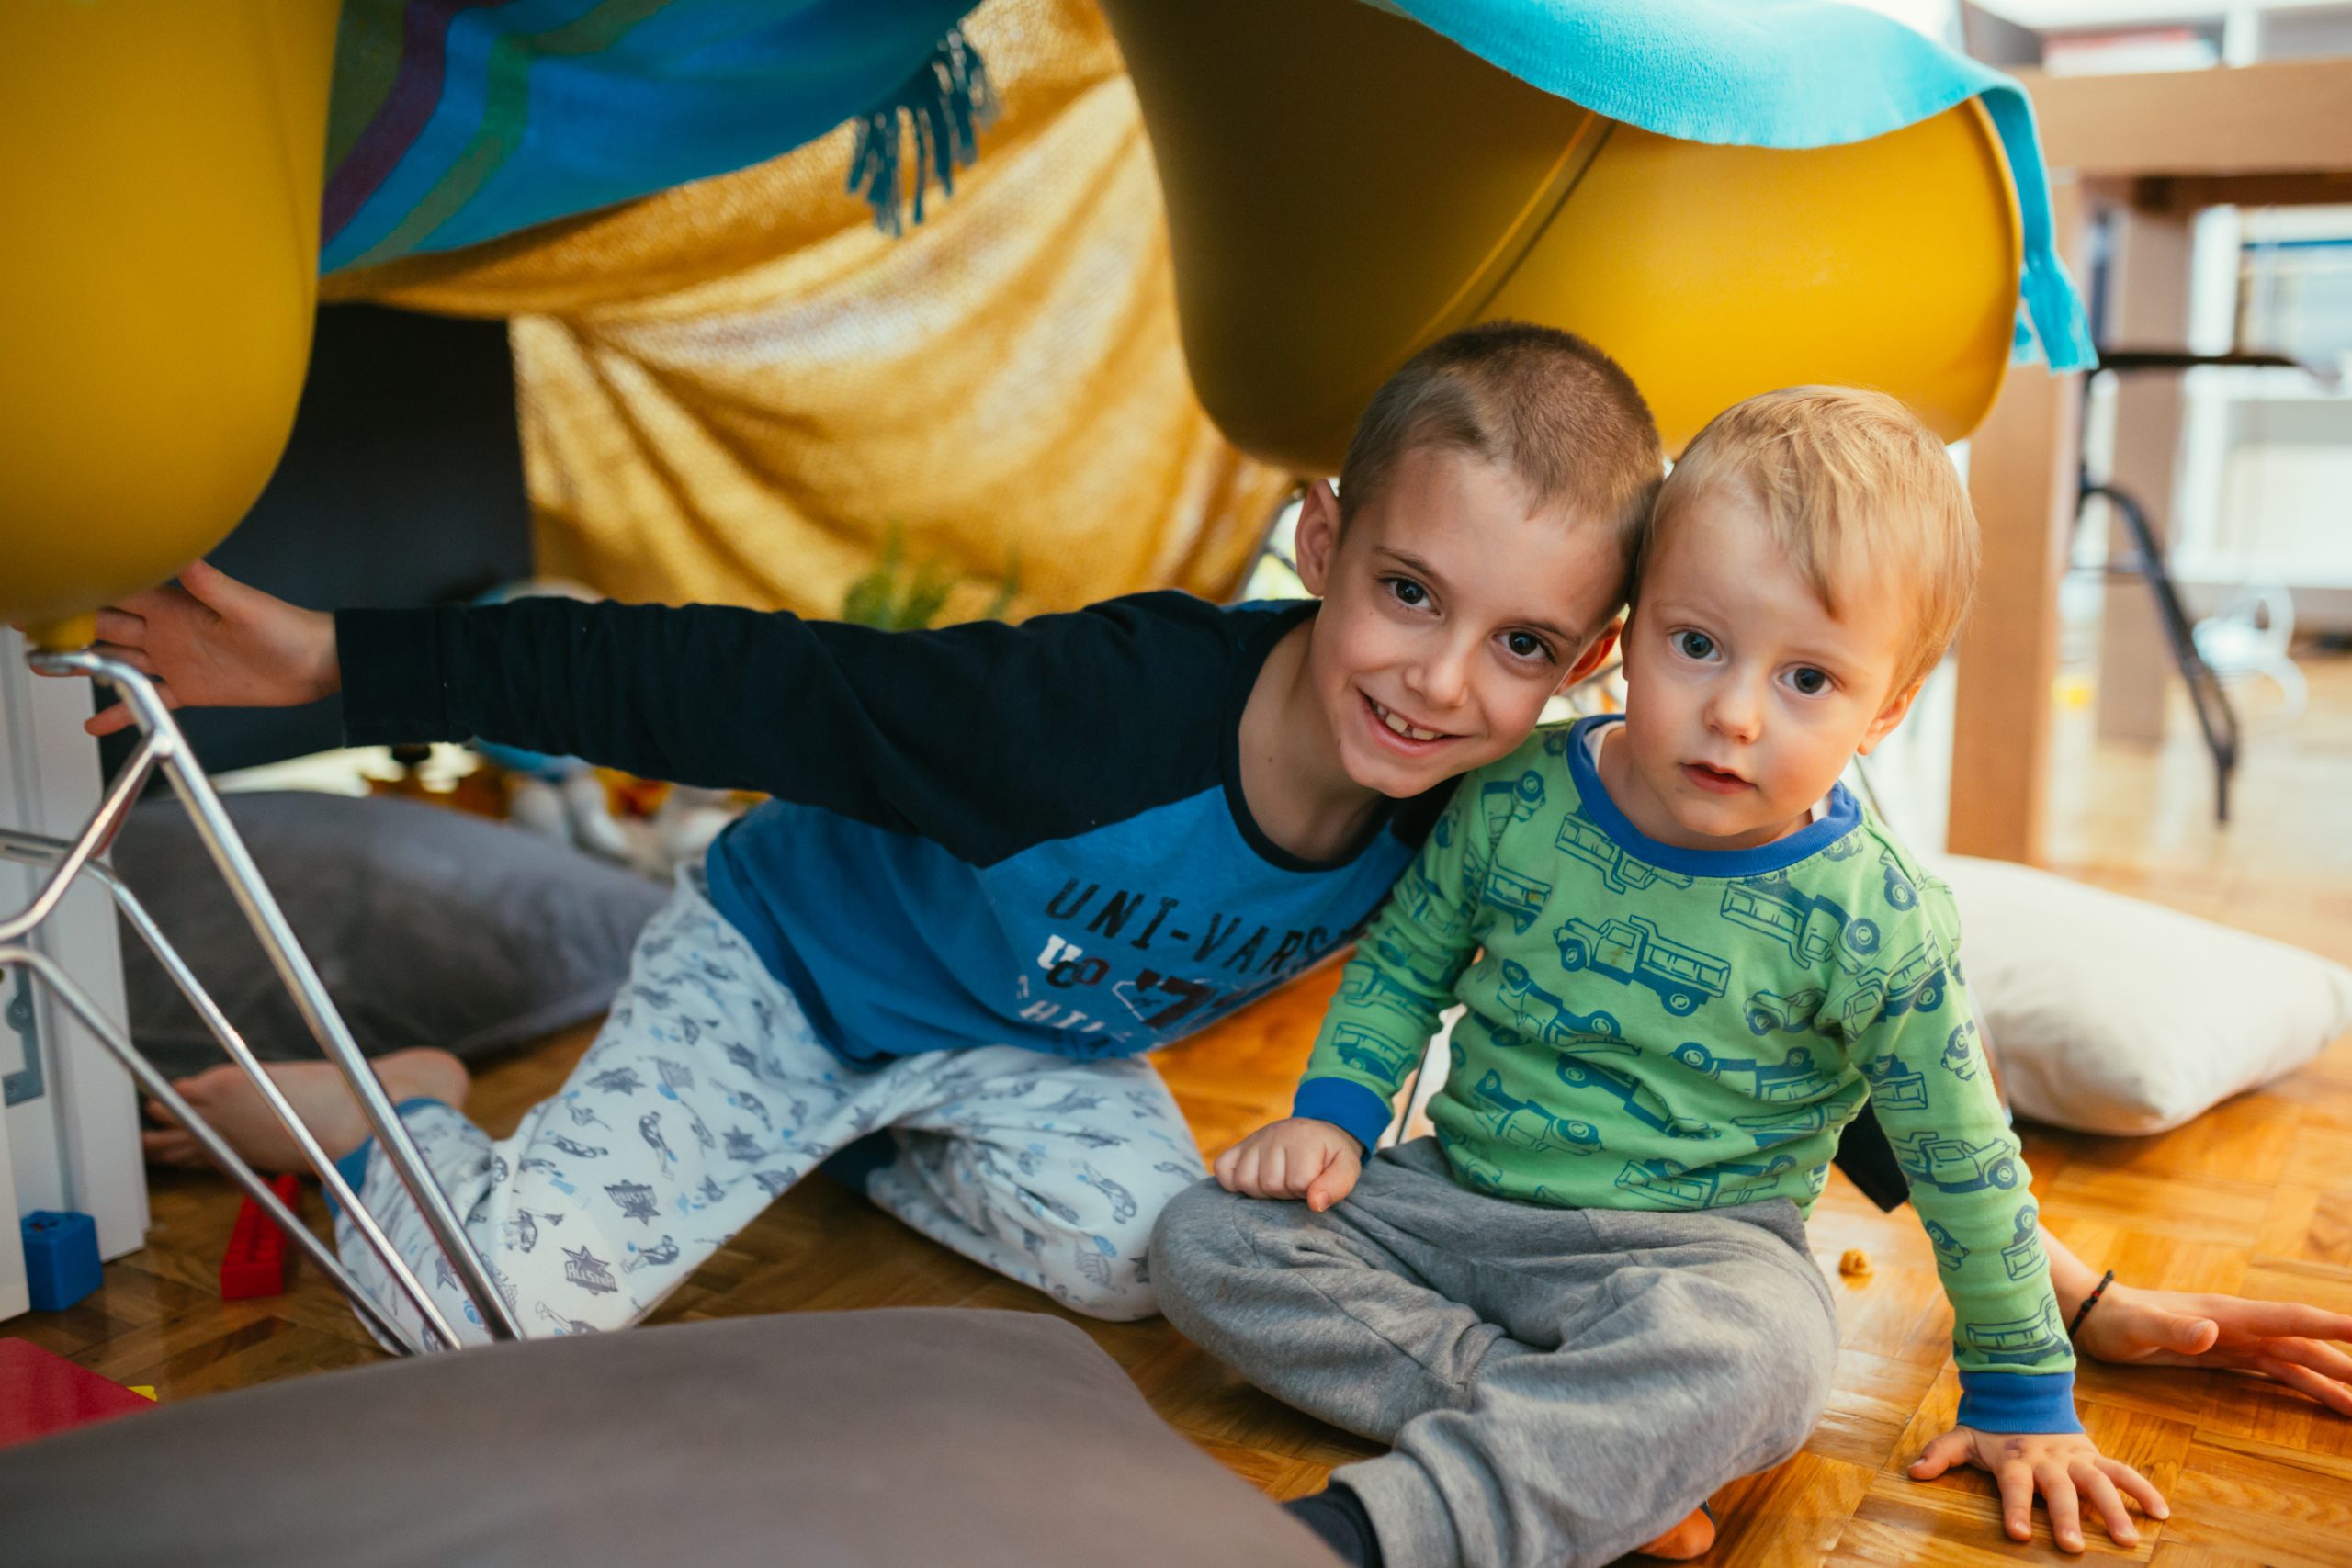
(706, 1094)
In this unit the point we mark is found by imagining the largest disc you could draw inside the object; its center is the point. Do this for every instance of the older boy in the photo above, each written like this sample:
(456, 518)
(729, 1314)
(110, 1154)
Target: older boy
(1688, 957)
(1002, 862)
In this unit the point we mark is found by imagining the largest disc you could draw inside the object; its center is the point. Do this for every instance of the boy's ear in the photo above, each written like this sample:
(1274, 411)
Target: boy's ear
(1595, 655)
(1317, 539)
(1889, 717)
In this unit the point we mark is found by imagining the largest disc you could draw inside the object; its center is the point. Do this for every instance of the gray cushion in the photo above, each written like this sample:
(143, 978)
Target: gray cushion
(430, 927)
(914, 1435)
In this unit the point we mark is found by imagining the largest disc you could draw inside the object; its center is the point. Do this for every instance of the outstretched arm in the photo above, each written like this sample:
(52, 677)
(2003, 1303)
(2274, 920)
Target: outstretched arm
(984, 737)
(2132, 1325)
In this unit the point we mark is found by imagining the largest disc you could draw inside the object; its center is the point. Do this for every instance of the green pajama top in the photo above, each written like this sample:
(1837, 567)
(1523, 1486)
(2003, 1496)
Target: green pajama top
(1651, 1027)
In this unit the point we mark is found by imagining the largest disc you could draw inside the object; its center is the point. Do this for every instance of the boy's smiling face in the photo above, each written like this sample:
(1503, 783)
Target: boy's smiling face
(1744, 698)
(1451, 613)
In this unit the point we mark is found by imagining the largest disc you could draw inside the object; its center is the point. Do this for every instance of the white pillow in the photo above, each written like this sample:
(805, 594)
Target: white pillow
(2110, 1015)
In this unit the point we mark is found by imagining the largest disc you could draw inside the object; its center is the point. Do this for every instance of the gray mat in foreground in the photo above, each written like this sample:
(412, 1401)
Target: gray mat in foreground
(915, 1436)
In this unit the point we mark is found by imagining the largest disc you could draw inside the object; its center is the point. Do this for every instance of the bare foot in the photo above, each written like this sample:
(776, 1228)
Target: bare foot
(1695, 1537)
(226, 1099)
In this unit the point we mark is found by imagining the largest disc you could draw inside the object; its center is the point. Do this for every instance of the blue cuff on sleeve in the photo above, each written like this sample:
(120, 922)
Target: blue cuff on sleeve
(2018, 1402)
(1347, 1105)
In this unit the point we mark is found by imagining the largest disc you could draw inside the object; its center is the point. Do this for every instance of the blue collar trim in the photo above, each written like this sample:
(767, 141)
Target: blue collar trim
(1843, 816)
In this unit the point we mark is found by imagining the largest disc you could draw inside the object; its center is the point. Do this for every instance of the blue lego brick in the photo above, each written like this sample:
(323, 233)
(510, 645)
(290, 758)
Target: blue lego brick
(61, 1258)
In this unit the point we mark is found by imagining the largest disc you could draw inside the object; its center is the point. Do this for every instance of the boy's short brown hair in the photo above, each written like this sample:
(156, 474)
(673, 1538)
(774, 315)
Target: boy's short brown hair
(1544, 404)
(1859, 493)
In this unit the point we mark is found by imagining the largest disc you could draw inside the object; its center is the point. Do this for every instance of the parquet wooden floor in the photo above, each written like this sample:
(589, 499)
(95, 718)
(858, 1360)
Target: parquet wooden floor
(2255, 1197)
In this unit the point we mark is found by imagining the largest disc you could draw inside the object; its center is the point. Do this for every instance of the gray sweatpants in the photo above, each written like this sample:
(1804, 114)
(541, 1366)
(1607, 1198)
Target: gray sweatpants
(1558, 1385)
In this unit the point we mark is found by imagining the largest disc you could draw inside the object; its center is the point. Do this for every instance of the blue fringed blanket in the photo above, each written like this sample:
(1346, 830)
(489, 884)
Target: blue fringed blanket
(459, 120)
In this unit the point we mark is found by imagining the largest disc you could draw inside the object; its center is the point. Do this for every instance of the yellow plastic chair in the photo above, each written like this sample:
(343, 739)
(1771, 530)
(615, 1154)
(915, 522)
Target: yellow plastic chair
(159, 166)
(161, 163)
(1344, 186)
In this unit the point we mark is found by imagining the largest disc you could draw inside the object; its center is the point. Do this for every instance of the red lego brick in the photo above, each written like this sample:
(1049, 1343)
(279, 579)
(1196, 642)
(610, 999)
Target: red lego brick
(254, 1264)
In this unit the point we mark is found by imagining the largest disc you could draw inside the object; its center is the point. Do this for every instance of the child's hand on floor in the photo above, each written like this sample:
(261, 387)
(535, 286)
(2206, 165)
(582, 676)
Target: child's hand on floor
(211, 641)
(2284, 1341)
(1299, 1157)
(2064, 1467)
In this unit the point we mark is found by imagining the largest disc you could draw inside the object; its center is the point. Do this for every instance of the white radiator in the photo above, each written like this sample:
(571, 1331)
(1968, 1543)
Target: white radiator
(69, 1136)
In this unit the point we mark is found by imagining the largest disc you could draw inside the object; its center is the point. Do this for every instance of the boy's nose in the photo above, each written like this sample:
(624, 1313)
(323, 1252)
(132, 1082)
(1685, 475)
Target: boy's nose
(1441, 680)
(1732, 712)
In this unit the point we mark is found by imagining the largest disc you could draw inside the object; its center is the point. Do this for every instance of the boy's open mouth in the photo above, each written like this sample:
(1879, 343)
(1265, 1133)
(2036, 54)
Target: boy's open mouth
(1718, 780)
(1400, 729)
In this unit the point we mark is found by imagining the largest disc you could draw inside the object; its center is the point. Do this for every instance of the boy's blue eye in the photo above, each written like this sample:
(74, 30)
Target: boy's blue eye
(1694, 645)
(1812, 683)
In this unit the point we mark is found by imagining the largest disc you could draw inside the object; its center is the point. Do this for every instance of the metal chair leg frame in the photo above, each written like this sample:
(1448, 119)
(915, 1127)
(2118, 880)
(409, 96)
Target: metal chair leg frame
(150, 1081)
(163, 746)
(35, 850)
(103, 823)
(2215, 715)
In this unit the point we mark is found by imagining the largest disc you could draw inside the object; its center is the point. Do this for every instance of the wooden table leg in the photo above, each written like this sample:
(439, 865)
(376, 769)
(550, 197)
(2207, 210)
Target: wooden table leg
(2022, 477)
(2149, 279)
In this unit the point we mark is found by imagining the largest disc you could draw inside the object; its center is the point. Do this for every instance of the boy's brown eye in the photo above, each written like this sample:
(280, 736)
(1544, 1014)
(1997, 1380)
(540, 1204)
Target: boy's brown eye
(1407, 591)
(1526, 645)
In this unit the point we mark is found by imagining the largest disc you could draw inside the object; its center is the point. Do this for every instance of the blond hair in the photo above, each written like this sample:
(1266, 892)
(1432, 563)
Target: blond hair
(1546, 405)
(1860, 495)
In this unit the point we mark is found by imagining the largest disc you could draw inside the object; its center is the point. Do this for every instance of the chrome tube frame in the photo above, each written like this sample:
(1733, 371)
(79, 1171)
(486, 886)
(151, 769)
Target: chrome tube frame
(164, 747)
(35, 850)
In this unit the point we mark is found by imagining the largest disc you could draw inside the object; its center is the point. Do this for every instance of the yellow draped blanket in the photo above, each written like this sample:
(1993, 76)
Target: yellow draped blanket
(734, 392)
